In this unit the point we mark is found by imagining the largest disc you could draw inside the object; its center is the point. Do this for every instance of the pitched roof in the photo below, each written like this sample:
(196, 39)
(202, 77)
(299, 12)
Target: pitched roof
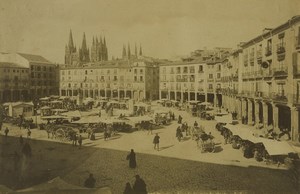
(34, 58)
(10, 65)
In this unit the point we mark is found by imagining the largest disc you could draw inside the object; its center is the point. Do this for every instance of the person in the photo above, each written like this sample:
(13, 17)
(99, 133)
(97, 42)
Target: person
(105, 134)
(28, 133)
(90, 182)
(156, 141)
(80, 141)
(179, 133)
(179, 119)
(195, 124)
(6, 131)
(139, 185)
(128, 189)
(74, 139)
(21, 140)
(131, 158)
(99, 113)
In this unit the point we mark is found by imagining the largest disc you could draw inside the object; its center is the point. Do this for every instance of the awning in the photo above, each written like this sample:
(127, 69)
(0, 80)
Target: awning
(277, 147)
(75, 113)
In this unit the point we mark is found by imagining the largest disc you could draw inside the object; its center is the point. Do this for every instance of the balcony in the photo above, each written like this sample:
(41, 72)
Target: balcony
(268, 51)
(259, 57)
(281, 48)
(297, 45)
(280, 72)
(279, 97)
(210, 79)
(210, 90)
(296, 99)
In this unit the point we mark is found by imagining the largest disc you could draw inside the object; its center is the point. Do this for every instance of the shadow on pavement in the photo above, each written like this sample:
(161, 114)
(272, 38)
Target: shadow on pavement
(165, 147)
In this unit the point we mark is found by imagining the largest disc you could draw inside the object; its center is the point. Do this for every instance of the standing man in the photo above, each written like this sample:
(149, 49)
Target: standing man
(6, 131)
(139, 185)
(156, 141)
(80, 141)
(131, 158)
(195, 124)
(90, 182)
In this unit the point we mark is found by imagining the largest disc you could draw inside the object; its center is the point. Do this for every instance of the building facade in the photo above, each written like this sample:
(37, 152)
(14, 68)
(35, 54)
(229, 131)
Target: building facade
(118, 79)
(188, 81)
(27, 77)
(268, 79)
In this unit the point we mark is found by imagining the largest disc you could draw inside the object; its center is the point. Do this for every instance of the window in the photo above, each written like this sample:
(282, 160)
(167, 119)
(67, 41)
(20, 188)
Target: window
(210, 86)
(185, 70)
(63, 72)
(32, 75)
(135, 78)
(210, 76)
(22, 71)
(141, 78)
(39, 75)
(192, 69)
(200, 68)
(218, 75)
(135, 71)
(14, 71)
(86, 72)
(172, 70)
(219, 67)
(281, 89)
(44, 68)
(115, 78)
(38, 68)
(164, 70)
(178, 70)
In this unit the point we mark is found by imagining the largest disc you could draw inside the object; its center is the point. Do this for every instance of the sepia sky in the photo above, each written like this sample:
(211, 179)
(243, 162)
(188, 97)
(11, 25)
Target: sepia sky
(165, 28)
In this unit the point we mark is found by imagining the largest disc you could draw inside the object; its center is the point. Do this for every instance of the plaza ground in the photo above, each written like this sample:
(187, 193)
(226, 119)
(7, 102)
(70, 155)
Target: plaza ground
(178, 166)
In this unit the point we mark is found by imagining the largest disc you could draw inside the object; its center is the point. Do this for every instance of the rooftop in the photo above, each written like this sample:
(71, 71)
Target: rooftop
(10, 65)
(34, 58)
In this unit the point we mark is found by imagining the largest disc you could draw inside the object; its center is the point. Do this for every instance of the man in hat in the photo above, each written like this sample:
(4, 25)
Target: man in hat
(139, 185)
(131, 158)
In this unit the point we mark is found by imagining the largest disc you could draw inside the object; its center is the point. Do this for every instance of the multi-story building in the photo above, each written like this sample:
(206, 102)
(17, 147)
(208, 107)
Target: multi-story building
(14, 82)
(269, 81)
(27, 77)
(188, 81)
(136, 79)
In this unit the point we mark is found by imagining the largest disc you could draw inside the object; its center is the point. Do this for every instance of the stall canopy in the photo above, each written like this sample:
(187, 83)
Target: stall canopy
(59, 186)
(243, 133)
(140, 119)
(277, 147)
(75, 113)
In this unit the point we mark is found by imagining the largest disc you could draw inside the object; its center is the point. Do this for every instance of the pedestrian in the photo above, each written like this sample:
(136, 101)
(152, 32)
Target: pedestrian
(21, 140)
(6, 131)
(99, 113)
(74, 140)
(128, 189)
(195, 124)
(179, 133)
(90, 182)
(28, 133)
(156, 141)
(139, 185)
(80, 141)
(131, 158)
(179, 119)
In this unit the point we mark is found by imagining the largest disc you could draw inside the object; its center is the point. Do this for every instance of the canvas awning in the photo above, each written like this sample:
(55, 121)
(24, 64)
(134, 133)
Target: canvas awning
(276, 147)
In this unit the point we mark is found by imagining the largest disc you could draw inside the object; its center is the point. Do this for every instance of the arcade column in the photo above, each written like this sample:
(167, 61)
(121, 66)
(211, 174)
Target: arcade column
(256, 109)
(265, 114)
(275, 116)
(295, 124)
(250, 119)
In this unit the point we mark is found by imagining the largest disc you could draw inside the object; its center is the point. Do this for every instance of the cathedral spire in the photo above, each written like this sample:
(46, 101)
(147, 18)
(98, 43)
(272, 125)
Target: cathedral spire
(141, 52)
(135, 50)
(128, 51)
(71, 44)
(124, 55)
(83, 46)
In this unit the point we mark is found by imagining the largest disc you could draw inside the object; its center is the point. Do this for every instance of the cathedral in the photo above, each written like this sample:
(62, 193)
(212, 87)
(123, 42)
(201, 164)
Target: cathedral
(77, 57)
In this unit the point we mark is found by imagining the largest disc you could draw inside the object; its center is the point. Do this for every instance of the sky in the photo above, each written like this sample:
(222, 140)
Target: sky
(165, 28)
